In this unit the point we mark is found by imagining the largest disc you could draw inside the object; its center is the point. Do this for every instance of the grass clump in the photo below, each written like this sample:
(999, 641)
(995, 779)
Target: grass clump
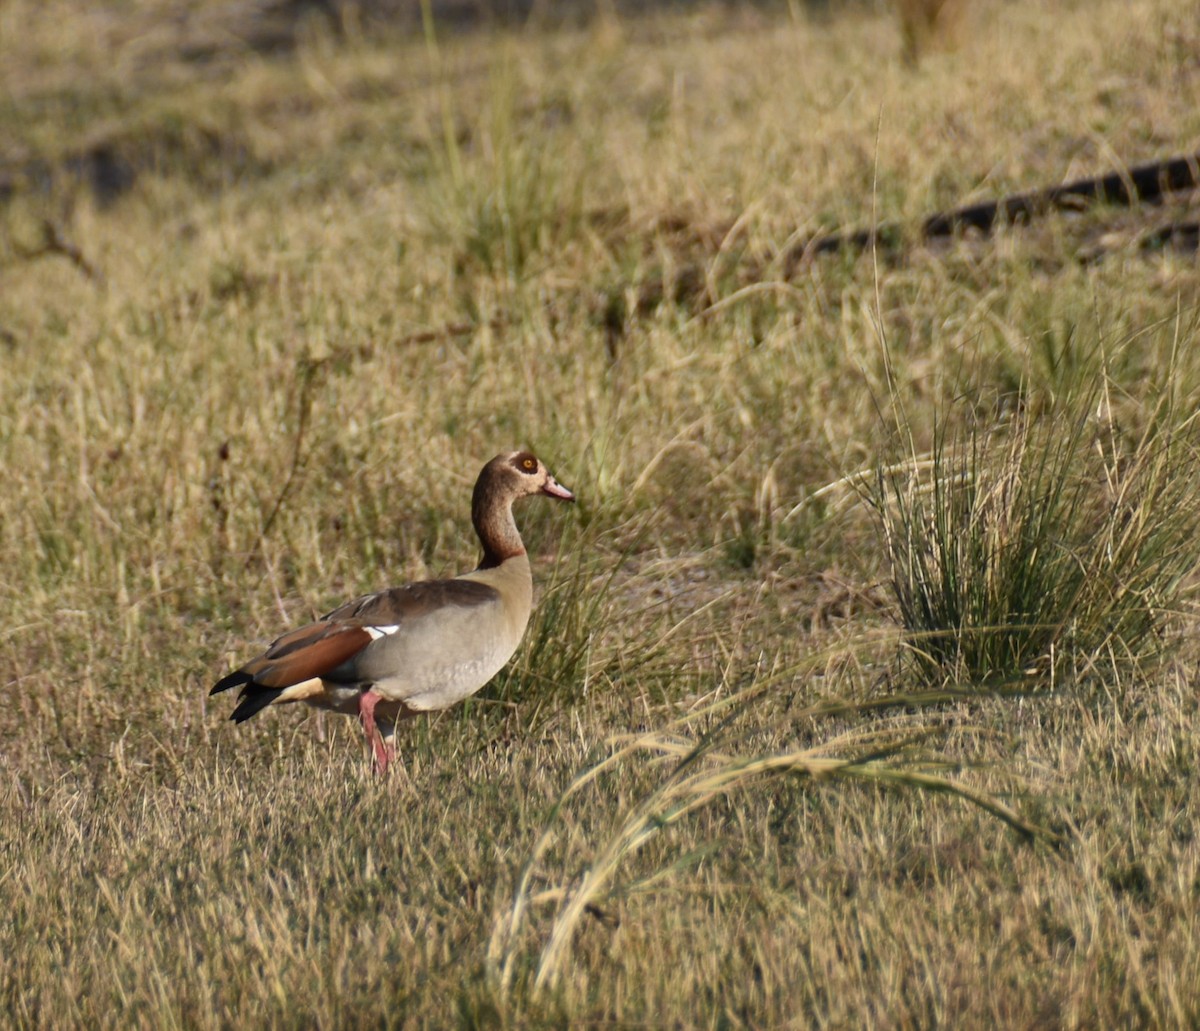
(1042, 546)
(504, 183)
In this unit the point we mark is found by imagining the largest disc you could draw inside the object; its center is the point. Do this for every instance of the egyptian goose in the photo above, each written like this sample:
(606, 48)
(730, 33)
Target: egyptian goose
(415, 648)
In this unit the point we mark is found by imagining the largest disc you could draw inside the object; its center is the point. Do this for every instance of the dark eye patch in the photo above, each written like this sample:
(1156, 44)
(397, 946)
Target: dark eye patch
(525, 462)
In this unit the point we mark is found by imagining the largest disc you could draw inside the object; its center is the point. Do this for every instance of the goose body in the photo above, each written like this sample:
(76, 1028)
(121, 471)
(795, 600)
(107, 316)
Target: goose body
(416, 648)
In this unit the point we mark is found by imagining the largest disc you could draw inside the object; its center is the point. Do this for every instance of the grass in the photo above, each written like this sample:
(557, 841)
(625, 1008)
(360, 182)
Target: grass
(729, 780)
(929, 24)
(1042, 547)
(703, 775)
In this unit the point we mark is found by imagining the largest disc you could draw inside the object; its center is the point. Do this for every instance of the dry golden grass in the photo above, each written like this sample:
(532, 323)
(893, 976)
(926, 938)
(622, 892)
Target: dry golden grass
(332, 282)
(930, 25)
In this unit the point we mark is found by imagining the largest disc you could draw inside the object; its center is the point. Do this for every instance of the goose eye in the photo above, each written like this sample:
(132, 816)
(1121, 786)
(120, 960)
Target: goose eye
(525, 462)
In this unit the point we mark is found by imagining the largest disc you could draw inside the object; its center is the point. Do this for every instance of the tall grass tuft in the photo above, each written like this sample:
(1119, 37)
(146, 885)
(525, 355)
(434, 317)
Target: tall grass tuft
(557, 661)
(1044, 546)
(506, 182)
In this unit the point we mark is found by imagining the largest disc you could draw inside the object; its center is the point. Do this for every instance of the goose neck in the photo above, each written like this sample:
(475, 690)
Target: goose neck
(492, 516)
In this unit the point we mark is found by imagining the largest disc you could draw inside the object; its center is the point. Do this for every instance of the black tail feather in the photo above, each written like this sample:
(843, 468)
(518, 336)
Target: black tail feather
(253, 699)
(235, 679)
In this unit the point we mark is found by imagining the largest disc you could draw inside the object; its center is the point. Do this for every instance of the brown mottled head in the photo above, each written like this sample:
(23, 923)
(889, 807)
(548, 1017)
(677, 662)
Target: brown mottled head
(505, 478)
(532, 476)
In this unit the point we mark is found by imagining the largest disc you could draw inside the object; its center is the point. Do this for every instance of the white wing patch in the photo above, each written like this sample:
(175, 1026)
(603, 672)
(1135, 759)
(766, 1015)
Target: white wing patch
(377, 632)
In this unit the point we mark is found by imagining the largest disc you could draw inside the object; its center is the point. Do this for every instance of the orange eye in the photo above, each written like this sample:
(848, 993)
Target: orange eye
(525, 462)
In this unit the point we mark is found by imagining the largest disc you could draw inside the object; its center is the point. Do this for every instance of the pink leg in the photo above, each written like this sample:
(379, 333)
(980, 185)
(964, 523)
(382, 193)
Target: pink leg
(366, 715)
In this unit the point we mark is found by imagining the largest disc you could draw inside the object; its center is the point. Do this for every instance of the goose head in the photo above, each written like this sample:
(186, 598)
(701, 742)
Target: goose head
(507, 477)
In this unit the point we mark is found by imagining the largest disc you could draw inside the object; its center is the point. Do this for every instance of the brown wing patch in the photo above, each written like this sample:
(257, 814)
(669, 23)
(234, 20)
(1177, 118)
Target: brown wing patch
(312, 651)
